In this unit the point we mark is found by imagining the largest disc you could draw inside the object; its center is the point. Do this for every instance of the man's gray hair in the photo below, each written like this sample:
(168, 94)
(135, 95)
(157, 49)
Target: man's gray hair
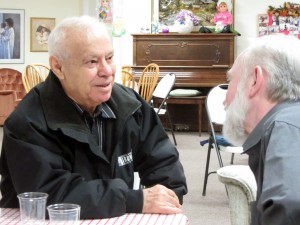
(82, 28)
(279, 58)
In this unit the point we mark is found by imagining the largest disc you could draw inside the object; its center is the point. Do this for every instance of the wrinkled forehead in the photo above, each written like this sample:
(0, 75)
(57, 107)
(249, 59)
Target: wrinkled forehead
(87, 32)
(87, 36)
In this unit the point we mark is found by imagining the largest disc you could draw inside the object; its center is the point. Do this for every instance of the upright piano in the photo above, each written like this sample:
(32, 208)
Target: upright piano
(199, 60)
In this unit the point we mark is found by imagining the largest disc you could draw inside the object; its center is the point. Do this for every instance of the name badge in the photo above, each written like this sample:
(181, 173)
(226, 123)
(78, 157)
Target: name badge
(125, 159)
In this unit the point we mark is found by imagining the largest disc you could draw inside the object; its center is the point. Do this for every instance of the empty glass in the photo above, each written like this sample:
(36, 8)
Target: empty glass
(64, 213)
(32, 207)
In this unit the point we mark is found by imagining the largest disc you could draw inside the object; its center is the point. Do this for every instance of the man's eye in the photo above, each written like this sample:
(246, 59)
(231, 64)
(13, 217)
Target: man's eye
(110, 57)
(93, 61)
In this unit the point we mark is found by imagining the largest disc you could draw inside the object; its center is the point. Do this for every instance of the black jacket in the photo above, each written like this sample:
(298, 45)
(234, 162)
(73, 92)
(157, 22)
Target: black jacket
(47, 147)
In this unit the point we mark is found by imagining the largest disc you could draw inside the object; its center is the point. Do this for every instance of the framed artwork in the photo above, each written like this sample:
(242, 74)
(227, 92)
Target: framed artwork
(203, 11)
(105, 10)
(262, 24)
(284, 19)
(12, 35)
(40, 28)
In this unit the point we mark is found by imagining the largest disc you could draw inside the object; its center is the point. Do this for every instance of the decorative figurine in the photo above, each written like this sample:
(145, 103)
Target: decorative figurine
(223, 19)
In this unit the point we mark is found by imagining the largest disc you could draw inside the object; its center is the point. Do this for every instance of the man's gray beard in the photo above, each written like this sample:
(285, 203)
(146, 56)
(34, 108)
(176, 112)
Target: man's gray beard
(233, 128)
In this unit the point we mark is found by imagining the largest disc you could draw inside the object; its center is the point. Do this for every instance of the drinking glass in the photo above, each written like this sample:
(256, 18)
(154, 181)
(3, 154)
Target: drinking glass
(64, 213)
(32, 207)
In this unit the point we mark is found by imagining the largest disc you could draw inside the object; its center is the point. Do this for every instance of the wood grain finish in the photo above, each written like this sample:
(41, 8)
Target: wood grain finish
(197, 59)
(200, 61)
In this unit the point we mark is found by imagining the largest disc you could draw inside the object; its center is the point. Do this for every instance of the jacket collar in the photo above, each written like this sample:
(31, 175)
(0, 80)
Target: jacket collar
(259, 130)
(61, 114)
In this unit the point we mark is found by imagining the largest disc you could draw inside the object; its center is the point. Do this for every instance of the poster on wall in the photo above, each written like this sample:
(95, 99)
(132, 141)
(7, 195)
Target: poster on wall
(12, 36)
(262, 25)
(285, 19)
(202, 13)
(40, 29)
(105, 13)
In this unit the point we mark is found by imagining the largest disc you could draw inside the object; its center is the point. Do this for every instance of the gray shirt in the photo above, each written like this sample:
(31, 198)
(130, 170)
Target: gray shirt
(274, 157)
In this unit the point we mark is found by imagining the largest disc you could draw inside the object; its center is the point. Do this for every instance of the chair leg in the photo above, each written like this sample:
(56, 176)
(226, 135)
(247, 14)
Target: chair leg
(221, 163)
(219, 156)
(171, 124)
(232, 157)
(210, 146)
(206, 168)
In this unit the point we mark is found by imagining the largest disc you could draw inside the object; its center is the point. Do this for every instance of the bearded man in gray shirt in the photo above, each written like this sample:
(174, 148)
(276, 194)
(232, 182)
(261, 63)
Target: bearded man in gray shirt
(262, 105)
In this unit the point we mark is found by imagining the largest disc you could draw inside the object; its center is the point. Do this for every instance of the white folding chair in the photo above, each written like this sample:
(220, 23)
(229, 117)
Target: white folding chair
(216, 116)
(162, 91)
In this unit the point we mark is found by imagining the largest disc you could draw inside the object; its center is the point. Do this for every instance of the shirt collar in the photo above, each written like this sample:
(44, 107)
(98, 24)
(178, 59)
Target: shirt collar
(258, 131)
(103, 109)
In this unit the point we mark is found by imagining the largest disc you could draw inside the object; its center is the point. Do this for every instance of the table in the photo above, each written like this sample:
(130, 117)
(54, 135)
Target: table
(12, 216)
(197, 100)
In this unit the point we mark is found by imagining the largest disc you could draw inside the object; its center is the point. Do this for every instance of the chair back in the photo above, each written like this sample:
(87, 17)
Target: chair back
(128, 68)
(42, 69)
(148, 81)
(128, 79)
(33, 75)
(11, 91)
(242, 189)
(214, 104)
(164, 87)
(11, 79)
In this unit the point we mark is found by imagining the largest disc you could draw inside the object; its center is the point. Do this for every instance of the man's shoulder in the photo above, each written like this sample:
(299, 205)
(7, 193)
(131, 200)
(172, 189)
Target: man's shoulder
(287, 112)
(29, 108)
(122, 93)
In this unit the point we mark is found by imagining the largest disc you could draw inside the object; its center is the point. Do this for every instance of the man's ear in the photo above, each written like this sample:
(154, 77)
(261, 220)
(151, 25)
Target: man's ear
(257, 81)
(56, 67)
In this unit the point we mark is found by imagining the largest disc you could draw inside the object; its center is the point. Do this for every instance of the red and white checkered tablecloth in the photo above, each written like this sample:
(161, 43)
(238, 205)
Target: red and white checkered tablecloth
(12, 216)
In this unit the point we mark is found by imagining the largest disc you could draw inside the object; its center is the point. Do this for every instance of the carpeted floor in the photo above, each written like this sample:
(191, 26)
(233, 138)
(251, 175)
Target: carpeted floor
(213, 208)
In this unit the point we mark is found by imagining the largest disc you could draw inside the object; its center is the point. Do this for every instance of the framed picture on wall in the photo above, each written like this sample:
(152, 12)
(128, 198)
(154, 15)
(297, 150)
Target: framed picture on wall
(262, 25)
(40, 28)
(203, 11)
(12, 36)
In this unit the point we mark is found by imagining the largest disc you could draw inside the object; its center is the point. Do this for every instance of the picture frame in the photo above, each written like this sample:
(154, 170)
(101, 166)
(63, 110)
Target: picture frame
(105, 10)
(12, 36)
(284, 19)
(40, 28)
(165, 11)
(262, 25)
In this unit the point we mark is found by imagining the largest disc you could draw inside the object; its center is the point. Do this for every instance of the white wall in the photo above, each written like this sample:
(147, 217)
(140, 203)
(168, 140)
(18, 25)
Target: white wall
(136, 14)
(57, 9)
(245, 20)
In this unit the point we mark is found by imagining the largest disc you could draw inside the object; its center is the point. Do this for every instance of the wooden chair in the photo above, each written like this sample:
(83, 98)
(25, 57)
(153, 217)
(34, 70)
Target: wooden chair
(148, 80)
(42, 69)
(33, 75)
(128, 68)
(128, 80)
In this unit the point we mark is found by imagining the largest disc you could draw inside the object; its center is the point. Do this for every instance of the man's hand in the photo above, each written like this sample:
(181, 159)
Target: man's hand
(159, 199)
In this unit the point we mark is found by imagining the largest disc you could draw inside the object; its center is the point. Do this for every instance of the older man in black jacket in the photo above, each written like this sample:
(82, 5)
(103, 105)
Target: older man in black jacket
(79, 137)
